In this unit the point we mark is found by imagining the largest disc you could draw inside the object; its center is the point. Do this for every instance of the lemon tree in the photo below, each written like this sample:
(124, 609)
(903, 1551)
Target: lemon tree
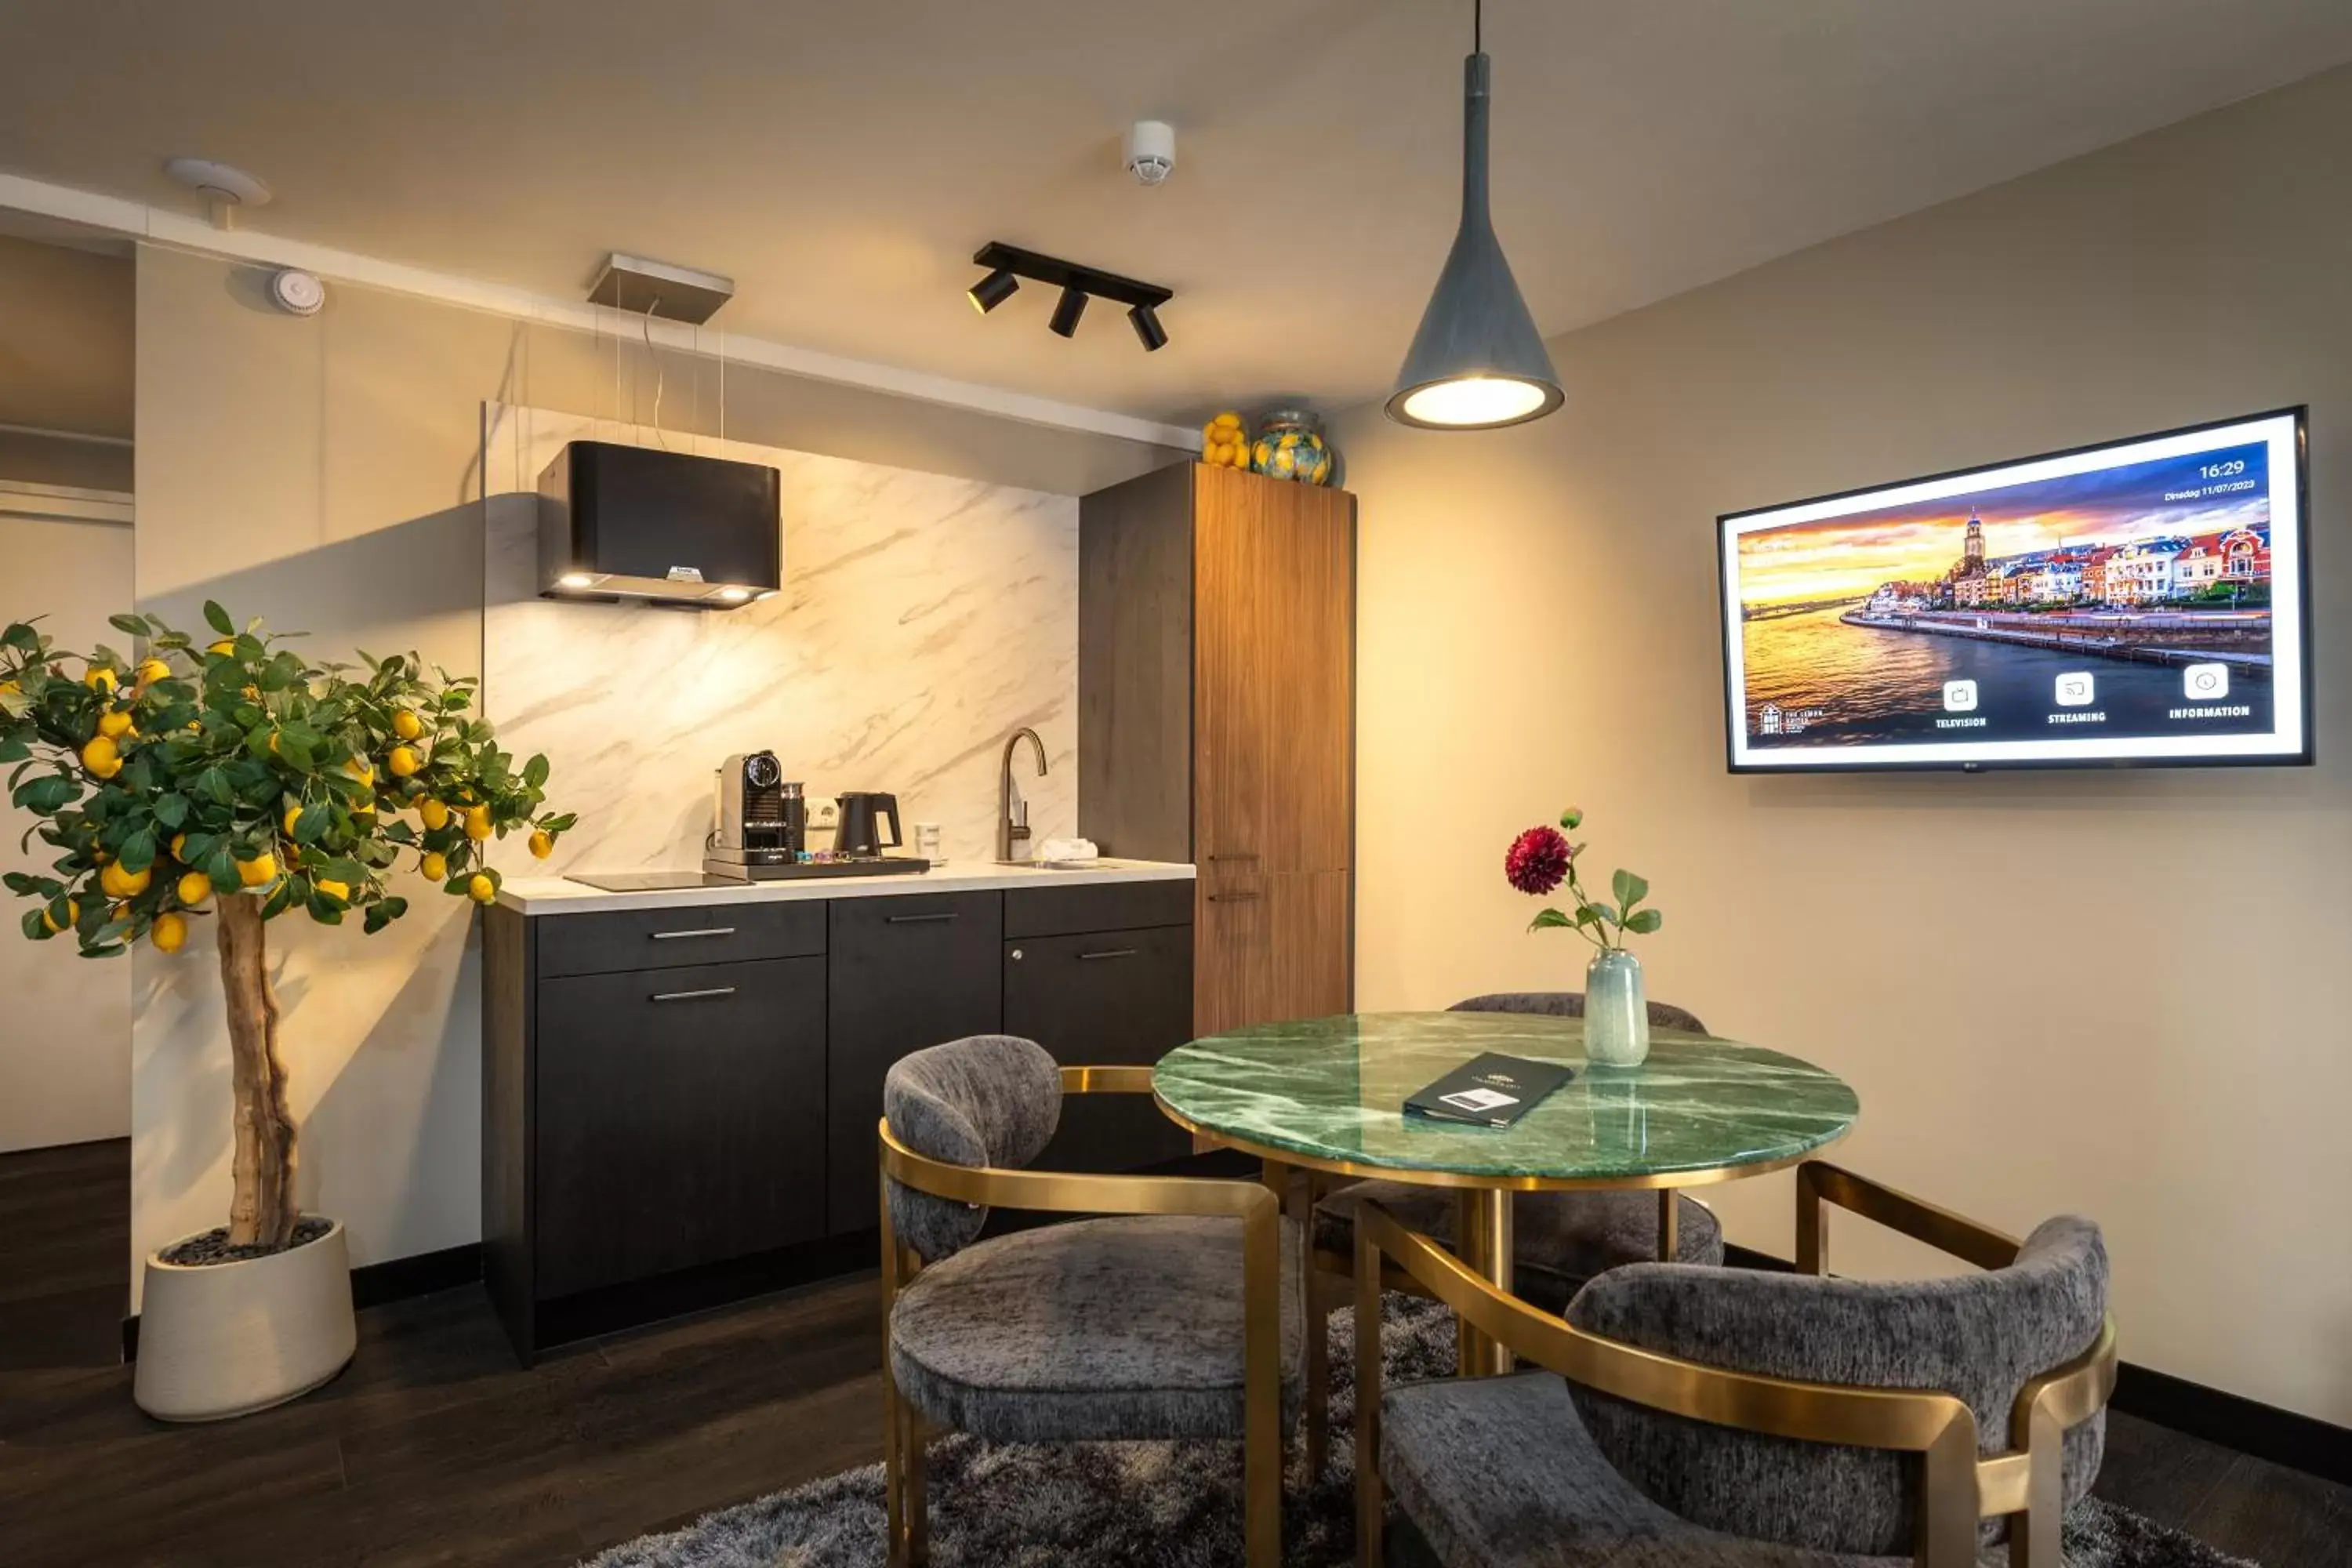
(235, 780)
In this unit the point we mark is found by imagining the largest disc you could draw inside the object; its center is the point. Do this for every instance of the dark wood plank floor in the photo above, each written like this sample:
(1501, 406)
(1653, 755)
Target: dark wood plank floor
(434, 1447)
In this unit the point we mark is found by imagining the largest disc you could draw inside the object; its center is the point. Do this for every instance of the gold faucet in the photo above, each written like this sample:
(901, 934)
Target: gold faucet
(1010, 834)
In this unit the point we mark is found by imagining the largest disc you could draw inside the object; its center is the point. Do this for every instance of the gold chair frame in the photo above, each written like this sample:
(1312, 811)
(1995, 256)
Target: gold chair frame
(1256, 1204)
(1958, 1489)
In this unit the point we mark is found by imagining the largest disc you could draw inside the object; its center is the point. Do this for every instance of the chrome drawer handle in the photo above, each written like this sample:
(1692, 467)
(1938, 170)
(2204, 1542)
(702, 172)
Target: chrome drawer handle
(692, 996)
(707, 930)
(917, 919)
(1111, 953)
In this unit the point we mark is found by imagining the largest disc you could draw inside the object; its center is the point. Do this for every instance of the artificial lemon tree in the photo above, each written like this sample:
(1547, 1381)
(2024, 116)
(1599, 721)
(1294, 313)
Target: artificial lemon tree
(241, 781)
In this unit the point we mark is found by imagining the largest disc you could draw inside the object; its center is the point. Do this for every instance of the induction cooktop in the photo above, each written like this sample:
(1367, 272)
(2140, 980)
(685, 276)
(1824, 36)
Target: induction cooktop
(651, 881)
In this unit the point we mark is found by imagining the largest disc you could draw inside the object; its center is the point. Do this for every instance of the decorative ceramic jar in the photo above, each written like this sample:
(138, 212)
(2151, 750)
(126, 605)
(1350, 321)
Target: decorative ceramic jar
(1290, 446)
(1616, 1010)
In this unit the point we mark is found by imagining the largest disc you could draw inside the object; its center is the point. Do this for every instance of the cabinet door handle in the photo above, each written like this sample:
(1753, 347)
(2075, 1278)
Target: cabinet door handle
(917, 919)
(707, 930)
(693, 996)
(1232, 898)
(1237, 855)
(1110, 952)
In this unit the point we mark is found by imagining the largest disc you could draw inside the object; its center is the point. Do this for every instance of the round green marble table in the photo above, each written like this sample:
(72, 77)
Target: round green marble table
(1328, 1094)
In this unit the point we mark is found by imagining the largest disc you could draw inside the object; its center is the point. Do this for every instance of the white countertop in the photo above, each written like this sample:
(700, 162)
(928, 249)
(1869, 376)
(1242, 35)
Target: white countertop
(562, 896)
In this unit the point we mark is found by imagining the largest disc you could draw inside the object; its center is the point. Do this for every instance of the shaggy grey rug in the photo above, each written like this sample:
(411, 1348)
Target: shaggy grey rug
(1173, 1505)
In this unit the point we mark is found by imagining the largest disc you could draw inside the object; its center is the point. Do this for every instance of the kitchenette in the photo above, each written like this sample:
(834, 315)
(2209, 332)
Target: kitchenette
(1114, 735)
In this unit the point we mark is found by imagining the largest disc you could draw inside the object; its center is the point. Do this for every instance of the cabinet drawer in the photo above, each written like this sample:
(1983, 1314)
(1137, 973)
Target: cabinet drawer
(1104, 998)
(1098, 906)
(676, 937)
(681, 1118)
(904, 971)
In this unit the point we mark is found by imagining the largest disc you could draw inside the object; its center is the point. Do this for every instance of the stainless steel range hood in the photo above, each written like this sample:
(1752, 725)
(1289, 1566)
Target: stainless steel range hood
(620, 524)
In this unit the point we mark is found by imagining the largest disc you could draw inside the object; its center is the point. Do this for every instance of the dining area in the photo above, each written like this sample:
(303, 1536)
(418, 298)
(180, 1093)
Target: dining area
(1439, 1340)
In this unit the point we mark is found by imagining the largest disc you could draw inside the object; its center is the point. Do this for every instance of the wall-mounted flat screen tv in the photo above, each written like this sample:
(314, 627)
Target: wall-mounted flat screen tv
(2139, 602)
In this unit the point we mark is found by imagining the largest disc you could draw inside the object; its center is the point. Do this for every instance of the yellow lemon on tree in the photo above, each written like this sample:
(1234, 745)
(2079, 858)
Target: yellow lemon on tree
(435, 868)
(100, 678)
(541, 844)
(103, 757)
(358, 768)
(436, 814)
(481, 890)
(195, 888)
(150, 671)
(73, 917)
(293, 815)
(225, 647)
(404, 761)
(170, 933)
(477, 822)
(333, 889)
(408, 725)
(114, 725)
(179, 846)
(122, 884)
(259, 871)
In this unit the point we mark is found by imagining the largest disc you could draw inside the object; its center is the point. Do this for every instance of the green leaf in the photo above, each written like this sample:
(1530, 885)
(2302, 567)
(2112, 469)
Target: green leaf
(33, 926)
(340, 870)
(221, 867)
(136, 626)
(280, 899)
(1604, 913)
(215, 786)
(172, 810)
(217, 618)
(13, 748)
(534, 772)
(49, 795)
(1549, 919)
(1644, 921)
(1629, 890)
(563, 824)
(312, 825)
(22, 637)
(139, 850)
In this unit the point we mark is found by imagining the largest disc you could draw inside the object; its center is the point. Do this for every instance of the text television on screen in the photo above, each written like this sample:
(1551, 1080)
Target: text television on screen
(2141, 602)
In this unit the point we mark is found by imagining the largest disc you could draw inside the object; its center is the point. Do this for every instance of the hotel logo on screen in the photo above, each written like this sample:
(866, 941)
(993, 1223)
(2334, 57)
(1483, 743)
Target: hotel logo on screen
(2141, 602)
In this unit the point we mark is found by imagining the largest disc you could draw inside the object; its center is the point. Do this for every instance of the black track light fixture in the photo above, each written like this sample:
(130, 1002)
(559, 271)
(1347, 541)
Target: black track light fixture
(993, 290)
(1146, 321)
(1008, 264)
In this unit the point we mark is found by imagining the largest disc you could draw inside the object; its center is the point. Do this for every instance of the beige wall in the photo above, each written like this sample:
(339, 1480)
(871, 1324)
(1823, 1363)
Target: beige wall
(2023, 974)
(325, 473)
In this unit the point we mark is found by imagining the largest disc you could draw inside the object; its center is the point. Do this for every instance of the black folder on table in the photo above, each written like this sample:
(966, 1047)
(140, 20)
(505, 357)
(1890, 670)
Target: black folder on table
(1488, 1091)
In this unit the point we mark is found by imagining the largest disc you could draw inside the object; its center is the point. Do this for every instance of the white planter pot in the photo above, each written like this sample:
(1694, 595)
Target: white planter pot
(228, 1339)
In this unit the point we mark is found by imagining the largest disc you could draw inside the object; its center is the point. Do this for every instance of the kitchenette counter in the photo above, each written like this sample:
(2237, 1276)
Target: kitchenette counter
(562, 896)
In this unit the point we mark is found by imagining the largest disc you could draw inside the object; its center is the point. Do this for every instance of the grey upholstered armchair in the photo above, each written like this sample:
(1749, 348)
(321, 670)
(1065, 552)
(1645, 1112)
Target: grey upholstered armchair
(1733, 1418)
(1560, 1238)
(1177, 1317)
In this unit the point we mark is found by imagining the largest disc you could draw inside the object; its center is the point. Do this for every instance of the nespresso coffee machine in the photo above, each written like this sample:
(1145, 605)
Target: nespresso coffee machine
(761, 818)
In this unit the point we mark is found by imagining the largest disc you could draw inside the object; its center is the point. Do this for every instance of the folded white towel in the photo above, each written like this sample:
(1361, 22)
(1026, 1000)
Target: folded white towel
(1068, 849)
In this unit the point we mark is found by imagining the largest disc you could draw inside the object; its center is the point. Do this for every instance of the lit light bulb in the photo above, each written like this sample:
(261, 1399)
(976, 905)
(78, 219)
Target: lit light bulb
(574, 580)
(1474, 400)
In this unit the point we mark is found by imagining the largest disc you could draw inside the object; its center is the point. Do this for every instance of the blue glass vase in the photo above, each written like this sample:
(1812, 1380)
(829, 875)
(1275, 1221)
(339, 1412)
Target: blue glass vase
(1616, 1010)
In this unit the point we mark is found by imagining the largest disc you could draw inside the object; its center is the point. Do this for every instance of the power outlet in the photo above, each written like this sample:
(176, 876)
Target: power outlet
(824, 811)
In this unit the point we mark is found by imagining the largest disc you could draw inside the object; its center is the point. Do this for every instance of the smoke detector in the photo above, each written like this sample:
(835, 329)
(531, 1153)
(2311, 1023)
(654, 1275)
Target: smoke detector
(1150, 150)
(296, 293)
(224, 186)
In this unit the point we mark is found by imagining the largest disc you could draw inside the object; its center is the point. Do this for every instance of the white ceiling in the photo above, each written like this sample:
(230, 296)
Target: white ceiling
(841, 161)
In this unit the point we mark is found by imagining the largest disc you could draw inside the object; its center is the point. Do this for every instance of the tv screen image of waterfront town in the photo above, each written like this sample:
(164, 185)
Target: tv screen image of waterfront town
(2127, 603)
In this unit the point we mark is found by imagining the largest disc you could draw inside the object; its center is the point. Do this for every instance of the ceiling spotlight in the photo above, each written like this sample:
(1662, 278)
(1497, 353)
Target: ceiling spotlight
(1008, 266)
(1146, 321)
(991, 290)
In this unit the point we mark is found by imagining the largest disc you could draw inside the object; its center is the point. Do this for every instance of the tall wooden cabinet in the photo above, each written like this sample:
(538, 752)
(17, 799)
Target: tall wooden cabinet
(1216, 699)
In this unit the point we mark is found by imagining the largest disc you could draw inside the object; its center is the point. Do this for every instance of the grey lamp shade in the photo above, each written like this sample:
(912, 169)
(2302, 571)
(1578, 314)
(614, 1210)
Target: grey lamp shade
(1477, 361)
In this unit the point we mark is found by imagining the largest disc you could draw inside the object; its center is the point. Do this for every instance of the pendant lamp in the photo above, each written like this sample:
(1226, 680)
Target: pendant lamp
(1477, 361)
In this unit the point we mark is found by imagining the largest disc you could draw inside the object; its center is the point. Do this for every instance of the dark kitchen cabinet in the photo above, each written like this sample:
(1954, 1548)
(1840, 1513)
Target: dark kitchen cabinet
(678, 1103)
(1105, 998)
(675, 1118)
(904, 971)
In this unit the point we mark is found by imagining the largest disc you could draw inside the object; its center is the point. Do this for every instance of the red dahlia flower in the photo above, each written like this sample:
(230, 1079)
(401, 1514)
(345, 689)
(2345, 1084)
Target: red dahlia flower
(1537, 860)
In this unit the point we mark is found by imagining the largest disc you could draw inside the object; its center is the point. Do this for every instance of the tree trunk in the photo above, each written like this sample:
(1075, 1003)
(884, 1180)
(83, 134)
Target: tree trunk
(261, 1213)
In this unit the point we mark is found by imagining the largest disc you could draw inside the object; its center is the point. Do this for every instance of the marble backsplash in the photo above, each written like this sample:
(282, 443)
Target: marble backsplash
(922, 619)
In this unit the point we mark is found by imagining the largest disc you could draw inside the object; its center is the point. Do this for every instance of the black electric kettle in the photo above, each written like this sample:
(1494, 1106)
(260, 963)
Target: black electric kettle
(860, 829)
